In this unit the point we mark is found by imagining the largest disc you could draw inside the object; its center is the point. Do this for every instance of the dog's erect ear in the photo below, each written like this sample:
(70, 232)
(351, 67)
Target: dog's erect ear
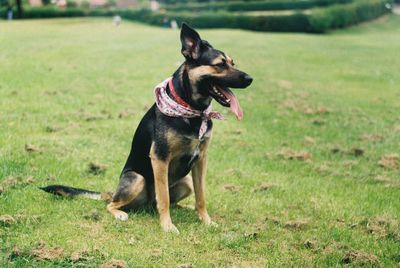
(190, 40)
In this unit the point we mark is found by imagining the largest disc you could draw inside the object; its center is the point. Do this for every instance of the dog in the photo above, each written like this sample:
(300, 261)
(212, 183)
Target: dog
(172, 138)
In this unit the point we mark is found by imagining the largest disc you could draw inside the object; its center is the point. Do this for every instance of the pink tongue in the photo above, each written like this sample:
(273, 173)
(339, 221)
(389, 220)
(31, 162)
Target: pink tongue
(235, 106)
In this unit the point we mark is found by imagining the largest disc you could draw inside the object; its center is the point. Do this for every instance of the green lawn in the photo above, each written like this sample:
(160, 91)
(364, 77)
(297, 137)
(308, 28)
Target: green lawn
(75, 90)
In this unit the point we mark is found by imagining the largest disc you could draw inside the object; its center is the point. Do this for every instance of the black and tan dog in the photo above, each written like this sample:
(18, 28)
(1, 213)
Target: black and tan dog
(166, 148)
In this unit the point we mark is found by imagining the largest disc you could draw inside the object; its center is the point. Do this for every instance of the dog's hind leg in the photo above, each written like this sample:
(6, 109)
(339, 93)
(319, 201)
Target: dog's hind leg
(181, 189)
(131, 192)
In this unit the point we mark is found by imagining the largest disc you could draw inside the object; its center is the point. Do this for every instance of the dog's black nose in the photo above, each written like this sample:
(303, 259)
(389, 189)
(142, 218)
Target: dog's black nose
(248, 79)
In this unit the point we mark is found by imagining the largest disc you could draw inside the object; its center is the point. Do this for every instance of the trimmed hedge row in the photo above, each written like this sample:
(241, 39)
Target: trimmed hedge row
(319, 21)
(341, 16)
(297, 22)
(253, 5)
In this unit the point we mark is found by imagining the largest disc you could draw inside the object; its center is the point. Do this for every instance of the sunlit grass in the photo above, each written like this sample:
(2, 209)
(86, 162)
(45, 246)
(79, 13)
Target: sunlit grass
(76, 90)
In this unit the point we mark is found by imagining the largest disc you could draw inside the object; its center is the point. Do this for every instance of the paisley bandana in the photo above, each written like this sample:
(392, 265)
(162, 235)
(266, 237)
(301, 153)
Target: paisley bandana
(170, 107)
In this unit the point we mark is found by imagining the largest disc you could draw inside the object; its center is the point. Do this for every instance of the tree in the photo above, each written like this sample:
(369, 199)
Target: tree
(19, 8)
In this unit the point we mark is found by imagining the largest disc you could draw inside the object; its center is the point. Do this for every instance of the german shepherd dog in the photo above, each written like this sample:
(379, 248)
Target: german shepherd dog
(166, 148)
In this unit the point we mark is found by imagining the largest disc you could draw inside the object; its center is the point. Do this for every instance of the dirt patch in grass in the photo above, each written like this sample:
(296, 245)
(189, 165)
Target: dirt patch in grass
(93, 215)
(114, 264)
(310, 244)
(318, 121)
(314, 111)
(360, 258)
(296, 224)
(332, 247)
(43, 252)
(30, 148)
(231, 188)
(381, 228)
(17, 252)
(7, 220)
(82, 255)
(96, 168)
(12, 182)
(52, 129)
(185, 265)
(308, 141)
(323, 169)
(88, 117)
(273, 219)
(125, 114)
(263, 186)
(355, 151)
(387, 182)
(294, 155)
(372, 138)
(390, 161)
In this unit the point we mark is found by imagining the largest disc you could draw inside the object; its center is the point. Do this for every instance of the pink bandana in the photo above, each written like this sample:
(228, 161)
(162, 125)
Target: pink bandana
(170, 107)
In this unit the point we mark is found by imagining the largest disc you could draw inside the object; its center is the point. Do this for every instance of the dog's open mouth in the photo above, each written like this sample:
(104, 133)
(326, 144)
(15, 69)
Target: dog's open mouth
(225, 97)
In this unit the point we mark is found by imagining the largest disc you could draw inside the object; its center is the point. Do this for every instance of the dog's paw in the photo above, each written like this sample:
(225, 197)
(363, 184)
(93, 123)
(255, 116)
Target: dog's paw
(169, 228)
(205, 219)
(122, 216)
(212, 224)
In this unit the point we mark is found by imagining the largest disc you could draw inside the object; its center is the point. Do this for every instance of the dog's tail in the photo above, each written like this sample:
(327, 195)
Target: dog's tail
(67, 191)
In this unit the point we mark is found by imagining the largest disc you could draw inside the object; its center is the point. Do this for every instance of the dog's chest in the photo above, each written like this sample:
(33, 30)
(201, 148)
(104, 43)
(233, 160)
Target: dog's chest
(185, 154)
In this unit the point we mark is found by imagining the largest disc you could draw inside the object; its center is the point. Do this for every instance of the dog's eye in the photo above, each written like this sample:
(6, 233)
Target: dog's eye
(221, 64)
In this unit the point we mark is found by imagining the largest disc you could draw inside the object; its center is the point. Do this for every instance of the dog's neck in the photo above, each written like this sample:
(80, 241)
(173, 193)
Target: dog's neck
(189, 91)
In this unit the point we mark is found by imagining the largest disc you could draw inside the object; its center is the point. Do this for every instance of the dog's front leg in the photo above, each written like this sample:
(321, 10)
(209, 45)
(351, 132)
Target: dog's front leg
(160, 169)
(199, 174)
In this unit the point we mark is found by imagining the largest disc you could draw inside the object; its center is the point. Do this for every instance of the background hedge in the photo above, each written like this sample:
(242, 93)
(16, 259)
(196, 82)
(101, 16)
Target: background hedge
(340, 16)
(318, 21)
(253, 5)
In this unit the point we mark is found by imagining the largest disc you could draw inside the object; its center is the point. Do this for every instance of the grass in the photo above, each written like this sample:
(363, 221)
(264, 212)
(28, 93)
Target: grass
(75, 90)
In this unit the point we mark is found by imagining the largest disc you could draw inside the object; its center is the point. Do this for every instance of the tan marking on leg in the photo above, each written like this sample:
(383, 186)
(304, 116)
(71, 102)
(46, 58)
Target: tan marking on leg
(199, 173)
(160, 170)
(114, 207)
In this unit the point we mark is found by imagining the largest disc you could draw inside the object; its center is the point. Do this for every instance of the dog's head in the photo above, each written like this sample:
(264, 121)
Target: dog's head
(211, 72)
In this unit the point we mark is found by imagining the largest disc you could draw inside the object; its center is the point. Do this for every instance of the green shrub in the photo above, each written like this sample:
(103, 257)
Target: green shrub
(52, 12)
(297, 22)
(4, 3)
(319, 21)
(253, 5)
(340, 16)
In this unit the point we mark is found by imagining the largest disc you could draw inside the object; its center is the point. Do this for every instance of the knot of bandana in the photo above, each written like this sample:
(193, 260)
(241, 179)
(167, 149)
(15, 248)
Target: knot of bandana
(170, 107)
